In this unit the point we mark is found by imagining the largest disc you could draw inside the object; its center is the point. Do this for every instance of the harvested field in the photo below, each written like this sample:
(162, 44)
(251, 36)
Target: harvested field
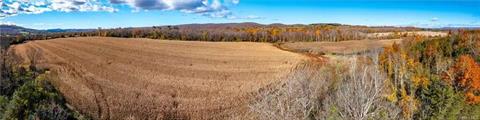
(421, 33)
(343, 47)
(118, 78)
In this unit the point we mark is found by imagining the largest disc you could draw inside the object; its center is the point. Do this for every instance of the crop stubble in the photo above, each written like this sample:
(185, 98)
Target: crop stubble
(117, 78)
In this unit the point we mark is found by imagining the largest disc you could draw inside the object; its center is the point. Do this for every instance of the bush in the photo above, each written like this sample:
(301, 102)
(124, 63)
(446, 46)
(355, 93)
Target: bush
(29, 97)
(3, 104)
(34, 98)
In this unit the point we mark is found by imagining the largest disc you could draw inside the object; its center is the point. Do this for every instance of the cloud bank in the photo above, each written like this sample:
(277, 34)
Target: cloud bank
(15, 7)
(211, 8)
(435, 19)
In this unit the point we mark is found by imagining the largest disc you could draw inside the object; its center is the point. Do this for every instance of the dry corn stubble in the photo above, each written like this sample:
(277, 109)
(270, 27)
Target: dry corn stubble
(117, 78)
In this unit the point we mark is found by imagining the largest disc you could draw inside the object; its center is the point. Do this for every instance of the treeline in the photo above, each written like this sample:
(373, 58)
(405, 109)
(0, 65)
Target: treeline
(250, 32)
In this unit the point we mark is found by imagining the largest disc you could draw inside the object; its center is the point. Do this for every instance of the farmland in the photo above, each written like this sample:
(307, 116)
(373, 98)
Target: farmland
(116, 78)
(139, 78)
(412, 33)
(342, 47)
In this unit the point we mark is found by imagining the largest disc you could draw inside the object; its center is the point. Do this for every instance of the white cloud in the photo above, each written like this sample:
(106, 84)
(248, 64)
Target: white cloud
(475, 22)
(253, 17)
(439, 25)
(46, 25)
(434, 19)
(7, 23)
(15, 7)
(235, 1)
(211, 8)
(245, 17)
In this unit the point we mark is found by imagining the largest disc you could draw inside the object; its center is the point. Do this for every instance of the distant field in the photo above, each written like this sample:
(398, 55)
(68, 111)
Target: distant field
(343, 47)
(117, 78)
(353, 46)
(421, 33)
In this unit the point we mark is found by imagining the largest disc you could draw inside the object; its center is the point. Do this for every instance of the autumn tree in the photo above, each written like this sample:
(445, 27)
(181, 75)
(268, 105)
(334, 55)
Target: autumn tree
(465, 75)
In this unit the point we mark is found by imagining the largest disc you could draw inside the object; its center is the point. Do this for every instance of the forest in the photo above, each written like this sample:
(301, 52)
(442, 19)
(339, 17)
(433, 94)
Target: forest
(435, 78)
(246, 32)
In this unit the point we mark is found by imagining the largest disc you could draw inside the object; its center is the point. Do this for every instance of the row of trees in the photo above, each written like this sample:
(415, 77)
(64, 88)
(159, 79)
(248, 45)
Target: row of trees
(259, 33)
(231, 32)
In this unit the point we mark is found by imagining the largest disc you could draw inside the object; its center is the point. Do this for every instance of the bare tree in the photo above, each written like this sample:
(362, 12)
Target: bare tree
(359, 94)
(351, 90)
(295, 98)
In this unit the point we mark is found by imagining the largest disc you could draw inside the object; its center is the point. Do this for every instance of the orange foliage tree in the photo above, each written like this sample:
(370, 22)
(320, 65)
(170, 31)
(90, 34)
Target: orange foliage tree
(465, 75)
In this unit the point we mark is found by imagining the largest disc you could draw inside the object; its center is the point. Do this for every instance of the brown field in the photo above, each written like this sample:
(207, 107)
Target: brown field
(343, 47)
(117, 78)
(421, 33)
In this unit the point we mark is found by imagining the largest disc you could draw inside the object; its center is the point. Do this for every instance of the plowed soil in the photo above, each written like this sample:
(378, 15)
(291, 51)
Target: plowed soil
(118, 78)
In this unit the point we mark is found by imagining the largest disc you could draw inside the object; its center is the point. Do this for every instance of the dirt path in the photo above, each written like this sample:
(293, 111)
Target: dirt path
(116, 78)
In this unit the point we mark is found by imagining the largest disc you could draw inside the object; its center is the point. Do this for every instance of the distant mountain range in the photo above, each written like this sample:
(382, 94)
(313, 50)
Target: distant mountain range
(12, 29)
(15, 30)
(69, 30)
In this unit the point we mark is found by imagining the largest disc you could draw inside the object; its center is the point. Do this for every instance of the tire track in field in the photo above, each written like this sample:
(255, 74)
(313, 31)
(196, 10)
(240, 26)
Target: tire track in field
(112, 78)
(99, 95)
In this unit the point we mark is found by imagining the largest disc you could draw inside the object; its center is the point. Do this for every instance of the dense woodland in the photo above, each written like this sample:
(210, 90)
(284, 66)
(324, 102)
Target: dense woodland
(435, 78)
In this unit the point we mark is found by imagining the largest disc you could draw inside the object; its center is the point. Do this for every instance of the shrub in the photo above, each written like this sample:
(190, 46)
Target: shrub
(52, 111)
(26, 99)
(3, 105)
(36, 98)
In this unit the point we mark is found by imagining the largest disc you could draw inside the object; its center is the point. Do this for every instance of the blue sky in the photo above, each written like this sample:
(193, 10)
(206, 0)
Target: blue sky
(138, 13)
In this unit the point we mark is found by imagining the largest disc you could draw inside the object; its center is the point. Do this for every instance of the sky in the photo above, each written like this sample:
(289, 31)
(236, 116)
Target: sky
(82, 14)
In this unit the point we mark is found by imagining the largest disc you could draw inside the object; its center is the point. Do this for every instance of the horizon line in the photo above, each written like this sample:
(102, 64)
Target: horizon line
(266, 24)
